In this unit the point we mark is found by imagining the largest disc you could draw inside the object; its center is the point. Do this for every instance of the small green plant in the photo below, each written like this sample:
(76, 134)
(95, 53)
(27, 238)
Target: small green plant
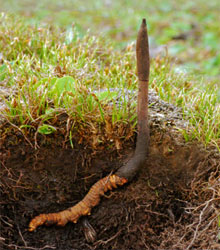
(46, 129)
(219, 227)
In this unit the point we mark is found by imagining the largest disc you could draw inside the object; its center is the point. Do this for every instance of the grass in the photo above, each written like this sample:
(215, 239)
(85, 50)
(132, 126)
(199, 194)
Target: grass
(49, 76)
(197, 22)
(200, 103)
(61, 79)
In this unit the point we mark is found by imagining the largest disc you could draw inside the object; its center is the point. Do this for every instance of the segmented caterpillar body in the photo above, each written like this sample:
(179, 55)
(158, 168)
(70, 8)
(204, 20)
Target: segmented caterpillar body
(82, 208)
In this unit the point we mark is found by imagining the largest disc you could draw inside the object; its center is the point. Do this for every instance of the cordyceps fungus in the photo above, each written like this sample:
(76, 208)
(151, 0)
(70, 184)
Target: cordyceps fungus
(127, 171)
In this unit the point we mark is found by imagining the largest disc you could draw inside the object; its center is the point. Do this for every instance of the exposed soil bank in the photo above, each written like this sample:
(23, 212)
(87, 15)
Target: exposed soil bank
(173, 203)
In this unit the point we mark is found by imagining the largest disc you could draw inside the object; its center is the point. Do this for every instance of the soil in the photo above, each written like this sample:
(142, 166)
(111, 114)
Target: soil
(151, 212)
(173, 203)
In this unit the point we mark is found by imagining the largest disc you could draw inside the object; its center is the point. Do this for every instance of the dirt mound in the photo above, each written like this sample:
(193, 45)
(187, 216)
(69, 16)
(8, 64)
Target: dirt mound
(171, 204)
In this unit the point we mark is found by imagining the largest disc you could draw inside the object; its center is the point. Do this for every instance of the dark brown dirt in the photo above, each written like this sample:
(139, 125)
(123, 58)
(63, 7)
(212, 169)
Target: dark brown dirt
(164, 207)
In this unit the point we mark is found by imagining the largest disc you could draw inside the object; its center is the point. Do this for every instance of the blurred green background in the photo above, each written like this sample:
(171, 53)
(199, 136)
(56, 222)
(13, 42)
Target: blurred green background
(189, 29)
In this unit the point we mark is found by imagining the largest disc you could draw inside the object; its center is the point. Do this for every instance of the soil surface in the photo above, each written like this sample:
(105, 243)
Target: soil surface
(173, 203)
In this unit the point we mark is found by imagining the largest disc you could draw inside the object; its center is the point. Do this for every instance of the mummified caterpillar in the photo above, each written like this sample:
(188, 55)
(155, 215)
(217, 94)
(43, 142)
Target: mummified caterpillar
(82, 208)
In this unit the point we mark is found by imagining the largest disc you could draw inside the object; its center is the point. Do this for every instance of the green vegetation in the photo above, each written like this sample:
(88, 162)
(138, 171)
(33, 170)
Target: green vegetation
(59, 77)
(50, 76)
(197, 22)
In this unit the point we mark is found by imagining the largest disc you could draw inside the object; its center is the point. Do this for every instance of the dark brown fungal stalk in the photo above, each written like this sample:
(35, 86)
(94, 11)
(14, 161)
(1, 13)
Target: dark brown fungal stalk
(124, 173)
(129, 170)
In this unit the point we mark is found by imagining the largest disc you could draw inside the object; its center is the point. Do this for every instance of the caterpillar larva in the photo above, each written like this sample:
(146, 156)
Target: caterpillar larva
(82, 208)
